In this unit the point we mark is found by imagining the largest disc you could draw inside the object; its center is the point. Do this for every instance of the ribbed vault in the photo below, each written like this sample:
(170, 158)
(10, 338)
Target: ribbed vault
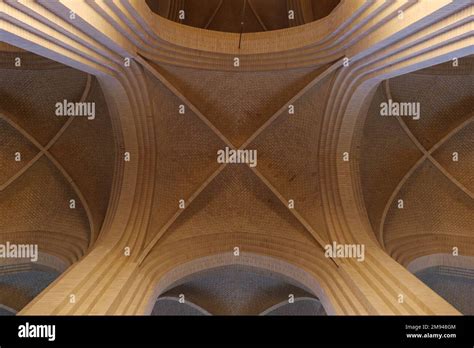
(416, 163)
(45, 143)
(47, 161)
(237, 92)
(243, 112)
(256, 15)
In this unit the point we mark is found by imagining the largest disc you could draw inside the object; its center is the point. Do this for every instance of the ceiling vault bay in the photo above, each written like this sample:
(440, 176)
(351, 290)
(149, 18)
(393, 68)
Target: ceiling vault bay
(29, 93)
(380, 46)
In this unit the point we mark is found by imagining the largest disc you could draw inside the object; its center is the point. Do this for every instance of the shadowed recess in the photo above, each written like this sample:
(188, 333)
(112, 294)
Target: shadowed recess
(238, 290)
(17, 289)
(454, 284)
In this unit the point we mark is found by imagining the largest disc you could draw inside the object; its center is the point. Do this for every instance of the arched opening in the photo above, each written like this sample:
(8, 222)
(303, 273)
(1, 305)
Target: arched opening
(240, 290)
(20, 285)
(451, 277)
(256, 15)
(256, 285)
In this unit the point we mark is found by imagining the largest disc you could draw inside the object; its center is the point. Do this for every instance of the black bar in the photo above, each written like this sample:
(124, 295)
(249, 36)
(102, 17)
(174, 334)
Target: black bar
(331, 330)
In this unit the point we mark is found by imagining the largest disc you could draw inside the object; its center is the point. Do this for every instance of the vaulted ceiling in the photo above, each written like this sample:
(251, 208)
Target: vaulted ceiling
(59, 159)
(154, 207)
(246, 16)
(412, 160)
